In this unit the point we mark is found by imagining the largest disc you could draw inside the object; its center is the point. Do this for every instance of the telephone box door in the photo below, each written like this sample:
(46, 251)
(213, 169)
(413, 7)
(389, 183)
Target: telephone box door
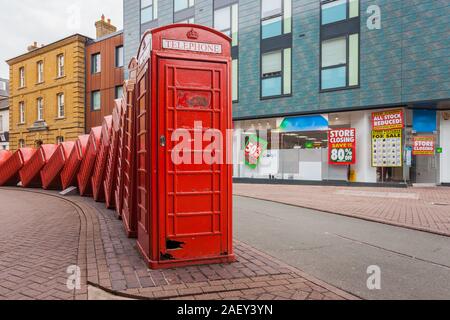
(193, 195)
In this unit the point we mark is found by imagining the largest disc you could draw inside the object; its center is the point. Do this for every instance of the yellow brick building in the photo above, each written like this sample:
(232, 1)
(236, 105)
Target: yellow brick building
(47, 93)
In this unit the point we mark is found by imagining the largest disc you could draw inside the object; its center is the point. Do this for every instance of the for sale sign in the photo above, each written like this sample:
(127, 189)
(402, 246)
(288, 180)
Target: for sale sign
(254, 150)
(388, 120)
(342, 147)
(424, 146)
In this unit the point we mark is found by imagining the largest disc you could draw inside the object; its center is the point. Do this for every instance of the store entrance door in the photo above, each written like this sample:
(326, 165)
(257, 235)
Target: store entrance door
(426, 169)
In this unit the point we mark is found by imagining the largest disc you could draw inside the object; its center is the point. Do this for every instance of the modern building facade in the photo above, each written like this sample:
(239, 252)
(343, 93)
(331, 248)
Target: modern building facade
(305, 67)
(47, 93)
(4, 114)
(104, 72)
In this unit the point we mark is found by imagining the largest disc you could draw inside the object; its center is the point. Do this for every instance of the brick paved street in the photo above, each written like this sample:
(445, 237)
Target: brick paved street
(38, 241)
(75, 230)
(426, 209)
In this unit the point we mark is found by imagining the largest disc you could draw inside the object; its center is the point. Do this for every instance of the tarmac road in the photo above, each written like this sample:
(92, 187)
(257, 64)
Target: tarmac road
(339, 250)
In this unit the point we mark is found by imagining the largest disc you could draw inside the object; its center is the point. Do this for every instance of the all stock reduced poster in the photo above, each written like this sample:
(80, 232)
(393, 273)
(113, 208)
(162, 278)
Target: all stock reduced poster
(342, 147)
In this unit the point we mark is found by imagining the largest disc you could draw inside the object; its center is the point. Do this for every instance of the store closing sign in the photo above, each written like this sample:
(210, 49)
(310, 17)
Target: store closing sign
(388, 120)
(342, 146)
(424, 146)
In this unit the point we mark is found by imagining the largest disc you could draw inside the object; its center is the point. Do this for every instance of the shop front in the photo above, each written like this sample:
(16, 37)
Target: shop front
(393, 146)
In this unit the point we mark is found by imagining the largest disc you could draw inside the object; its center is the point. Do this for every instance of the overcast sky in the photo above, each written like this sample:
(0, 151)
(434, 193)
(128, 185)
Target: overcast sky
(24, 21)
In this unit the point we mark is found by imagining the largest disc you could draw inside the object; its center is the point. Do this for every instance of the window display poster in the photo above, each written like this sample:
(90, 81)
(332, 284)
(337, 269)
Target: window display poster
(387, 148)
(424, 146)
(254, 149)
(342, 147)
(388, 120)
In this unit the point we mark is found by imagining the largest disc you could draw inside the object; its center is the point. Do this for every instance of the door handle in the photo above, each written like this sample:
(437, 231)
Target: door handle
(162, 141)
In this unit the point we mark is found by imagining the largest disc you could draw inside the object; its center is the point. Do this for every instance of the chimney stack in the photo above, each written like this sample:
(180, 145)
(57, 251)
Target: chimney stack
(104, 27)
(32, 47)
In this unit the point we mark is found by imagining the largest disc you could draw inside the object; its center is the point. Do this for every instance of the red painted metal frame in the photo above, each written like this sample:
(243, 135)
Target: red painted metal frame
(51, 173)
(129, 210)
(9, 170)
(112, 162)
(118, 192)
(4, 155)
(154, 237)
(72, 165)
(98, 177)
(30, 174)
(88, 162)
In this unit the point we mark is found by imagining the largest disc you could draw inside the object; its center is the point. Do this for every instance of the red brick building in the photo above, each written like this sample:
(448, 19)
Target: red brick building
(104, 72)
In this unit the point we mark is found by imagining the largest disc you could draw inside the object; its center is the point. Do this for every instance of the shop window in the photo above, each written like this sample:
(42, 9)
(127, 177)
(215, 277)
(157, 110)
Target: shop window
(118, 92)
(40, 109)
(61, 110)
(340, 62)
(276, 18)
(149, 10)
(96, 64)
(119, 57)
(276, 73)
(60, 61)
(1, 123)
(339, 10)
(183, 4)
(96, 100)
(226, 20)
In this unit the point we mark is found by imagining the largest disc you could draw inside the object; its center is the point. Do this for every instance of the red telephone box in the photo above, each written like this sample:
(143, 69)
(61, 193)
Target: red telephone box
(111, 163)
(72, 166)
(129, 208)
(184, 210)
(30, 174)
(98, 177)
(9, 170)
(4, 155)
(51, 173)
(118, 192)
(88, 162)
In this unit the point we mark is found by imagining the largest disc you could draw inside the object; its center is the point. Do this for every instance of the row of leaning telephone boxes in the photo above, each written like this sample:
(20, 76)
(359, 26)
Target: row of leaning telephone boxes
(180, 214)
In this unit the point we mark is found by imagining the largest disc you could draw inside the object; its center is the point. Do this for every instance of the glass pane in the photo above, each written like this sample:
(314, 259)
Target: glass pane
(235, 79)
(271, 8)
(271, 87)
(354, 60)
(271, 28)
(180, 5)
(271, 62)
(354, 8)
(155, 9)
(287, 74)
(222, 19)
(147, 14)
(235, 24)
(334, 52)
(287, 16)
(334, 78)
(334, 11)
(146, 3)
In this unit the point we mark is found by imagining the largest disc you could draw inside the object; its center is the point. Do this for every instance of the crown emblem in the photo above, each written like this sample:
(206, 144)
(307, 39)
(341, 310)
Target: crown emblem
(192, 34)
